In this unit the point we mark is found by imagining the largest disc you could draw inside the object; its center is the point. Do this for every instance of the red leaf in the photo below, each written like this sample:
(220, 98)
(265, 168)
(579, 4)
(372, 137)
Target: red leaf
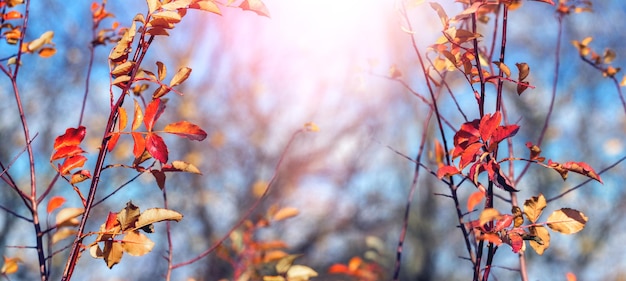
(66, 151)
(514, 238)
(447, 171)
(113, 141)
(583, 169)
(467, 134)
(186, 130)
(469, 154)
(72, 163)
(502, 181)
(503, 132)
(153, 112)
(156, 147)
(488, 125)
(159, 176)
(256, 6)
(474, 171)
(111, 221)
(139, 144)
(502, 223)
(71, 137)
(54, 203)
(339, 269)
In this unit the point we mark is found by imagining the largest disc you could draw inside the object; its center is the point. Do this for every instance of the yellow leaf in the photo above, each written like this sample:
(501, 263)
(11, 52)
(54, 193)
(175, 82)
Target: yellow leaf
(45, 38)
(123, 68)
(138, 117)
(95, 251)
(300, 273)
(121, 79)
(137, 244)
(186, 167)
(285, 263)
(153, 5)
(533, 207)
(168, 16)
(505, 69)
(62, 233)
(285, 213)
(542, 235)
(67, 217)
(161, 70)
(488, 215)
(180, 76)
(206, 5)
(175, 5)
(10, 265)
(567, 221)
(153, 215)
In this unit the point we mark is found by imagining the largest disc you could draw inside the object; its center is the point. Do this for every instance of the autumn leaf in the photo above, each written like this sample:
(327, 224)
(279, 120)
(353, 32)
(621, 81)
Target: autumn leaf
(112, 253)
(474, 199)
(123, 119)
(156, 147)
(160, 177)
(534, 206)
(446, 171)
(139, 144)
(72, 163)
(66, 151)
(80, 176)
(187, 130)
(583, 169)
(181, 166)
(137, 117)
(67, 217)
(285, 213)
(153, 215)
(256, 6)
(180, 76)
(488, 125)
(136, 243)
(128, 216)
(206, 5)
(567, 221)
(113, 141)
(10, 266)
(540, 239)
(54, 203)
(153, 111)
(72, 137)
(488, 215)
(300, 273)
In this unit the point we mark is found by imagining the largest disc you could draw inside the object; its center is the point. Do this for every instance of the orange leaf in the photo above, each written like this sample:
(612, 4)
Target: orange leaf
(474, 199)
(256, 6)
(570, 276)
(111, 221)
(66, 151)
(47, 52)
(54, 203)
(71, 137)
(123, 119)
(140, 144)
(153, 112)
(12, 15)
(156, 147)
(113, 141)
(583, 169)
(338, 269)
(72, 163)
(447, 171)
(186, 130)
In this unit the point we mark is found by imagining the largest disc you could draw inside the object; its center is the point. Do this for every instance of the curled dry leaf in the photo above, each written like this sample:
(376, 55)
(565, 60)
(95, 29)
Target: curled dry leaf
(153, 215)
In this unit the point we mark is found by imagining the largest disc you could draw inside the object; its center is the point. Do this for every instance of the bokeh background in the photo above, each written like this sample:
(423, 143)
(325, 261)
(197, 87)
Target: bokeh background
(257, 80)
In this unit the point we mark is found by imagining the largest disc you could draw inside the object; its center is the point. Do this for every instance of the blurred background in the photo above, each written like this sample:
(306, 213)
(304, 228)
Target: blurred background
(257, 80)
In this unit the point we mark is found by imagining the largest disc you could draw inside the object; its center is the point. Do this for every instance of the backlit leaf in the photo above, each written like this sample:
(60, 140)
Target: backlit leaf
(158, 31)
(136, 243)
(583, 169)
(72, 163)
(534, 206)
(62, 234)
(186, 167)
(156, 147)
(168, 16)
(47, 52)
(120, 80)
(67, 217)
(505, 69)
(285, 213)
(122, 119)
(503, 222)
(153, 111)
(153, 215)
(113, 141)
(71, 137)
(45, 38)
(138, 117)
(474, 199)
(67, 151)
(206, 5)
(285, 263)
(256, 6)
(54, 203)
(488, 215)
(567, 221)
(503, 132)
(139, 144)
(300, 273)
(187, 130)
(446, 171)
(180, 76)
(441, 13)
(175, 5)
(9, 266)
(11, 15)
(123, 68)
(492, 238)
(153, 5)
(488, 125)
